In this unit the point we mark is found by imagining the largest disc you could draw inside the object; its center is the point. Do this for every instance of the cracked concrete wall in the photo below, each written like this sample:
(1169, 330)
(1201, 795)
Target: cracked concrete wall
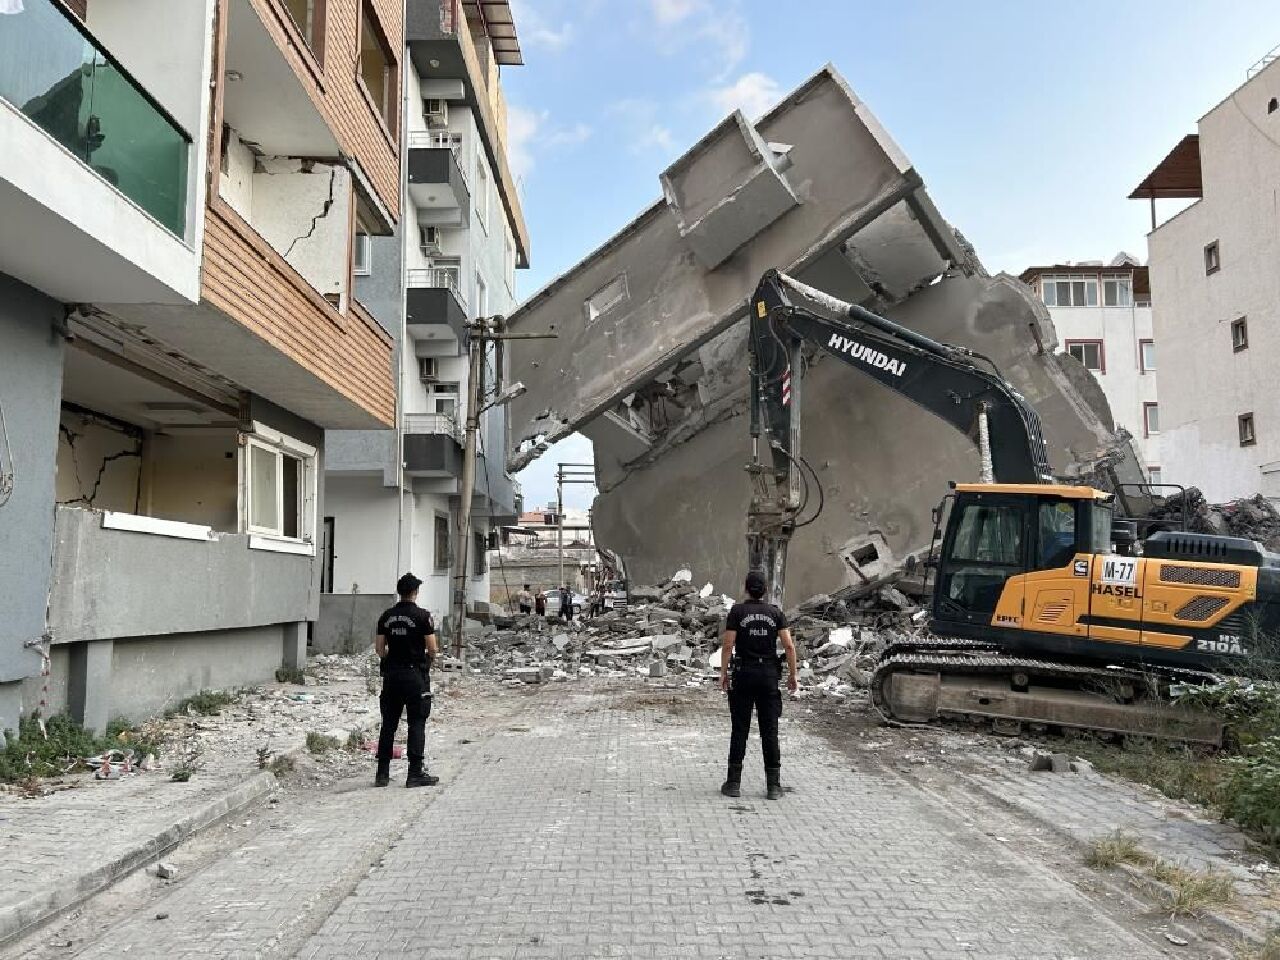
(657, 378)
(99, 463)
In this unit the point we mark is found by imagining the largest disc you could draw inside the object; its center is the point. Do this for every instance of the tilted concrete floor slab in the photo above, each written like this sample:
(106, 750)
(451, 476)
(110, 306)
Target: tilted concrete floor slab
(650, 362)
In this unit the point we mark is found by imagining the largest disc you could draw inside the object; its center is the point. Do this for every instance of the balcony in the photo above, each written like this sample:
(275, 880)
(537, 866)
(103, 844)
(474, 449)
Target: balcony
(95, 170)
(432, 455)
(441, 424)
(435, 301)
(437, 183)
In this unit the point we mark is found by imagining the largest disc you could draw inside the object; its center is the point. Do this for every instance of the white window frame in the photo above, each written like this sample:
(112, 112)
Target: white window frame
(1090, 285)
(263, 437)
(482, 296)
(509, 263)
(1143, 366)
(482, 195)
(1123, 291)
(362, 255)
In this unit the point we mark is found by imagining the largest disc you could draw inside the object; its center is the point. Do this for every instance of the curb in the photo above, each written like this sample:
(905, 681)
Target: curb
(1137, 878)
(43, 904)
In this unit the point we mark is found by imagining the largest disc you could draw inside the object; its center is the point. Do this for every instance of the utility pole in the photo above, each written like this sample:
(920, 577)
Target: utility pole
(568, 473)
(481, 332)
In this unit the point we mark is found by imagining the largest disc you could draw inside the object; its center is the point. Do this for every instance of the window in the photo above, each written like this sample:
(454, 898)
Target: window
(442, 542)
(1239, 335)
(1117, 291)
(361, 254)
(482, 194)
(277, 485)
(377, 67)
(1069, 291)
(986, 550)
(482, 297)
(1154, 475)
(1147, 355)
(1090, 353)
(480, 563)
(989, 534)
(509, 263)
(1150, 419)
(1247, 435)
(1272, 105)
(1057, 528)
(606, 298)
(308, 15)
(1212, 260)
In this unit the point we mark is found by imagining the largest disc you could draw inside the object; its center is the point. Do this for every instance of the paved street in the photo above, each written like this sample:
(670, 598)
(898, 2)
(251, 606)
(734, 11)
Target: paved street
(582, 821)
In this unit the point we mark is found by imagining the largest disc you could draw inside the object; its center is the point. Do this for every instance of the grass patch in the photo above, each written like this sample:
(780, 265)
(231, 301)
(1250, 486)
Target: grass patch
(32, 755)
(319, 743)
(206, 703)
(1269, 949)
(282, 765)
(290, 675)
(1192, 891)
(1113, 849)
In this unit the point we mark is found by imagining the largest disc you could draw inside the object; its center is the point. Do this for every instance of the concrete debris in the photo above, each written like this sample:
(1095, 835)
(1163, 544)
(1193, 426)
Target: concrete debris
(166, 871)
(1254, 517)
(673, 629)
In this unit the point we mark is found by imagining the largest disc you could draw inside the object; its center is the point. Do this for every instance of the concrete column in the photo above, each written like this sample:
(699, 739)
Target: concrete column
(89, 683)
(295, 645)
(10, 708)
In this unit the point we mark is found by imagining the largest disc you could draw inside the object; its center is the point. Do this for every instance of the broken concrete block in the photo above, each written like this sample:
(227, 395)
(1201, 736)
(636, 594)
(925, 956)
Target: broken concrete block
(166, 871)
(658, 668)
(524, 674)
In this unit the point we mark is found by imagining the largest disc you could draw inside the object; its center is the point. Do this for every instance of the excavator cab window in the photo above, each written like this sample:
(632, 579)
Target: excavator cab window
(1057, 528)
(984, 547)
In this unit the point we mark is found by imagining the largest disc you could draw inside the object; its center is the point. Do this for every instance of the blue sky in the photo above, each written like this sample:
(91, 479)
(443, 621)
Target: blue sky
(1030, 123)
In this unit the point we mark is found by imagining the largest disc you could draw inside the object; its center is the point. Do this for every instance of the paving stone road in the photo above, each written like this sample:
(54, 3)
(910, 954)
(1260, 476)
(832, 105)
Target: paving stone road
(582, 821)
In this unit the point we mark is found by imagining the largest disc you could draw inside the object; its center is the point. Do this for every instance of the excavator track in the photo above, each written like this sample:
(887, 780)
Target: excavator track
(924, 681)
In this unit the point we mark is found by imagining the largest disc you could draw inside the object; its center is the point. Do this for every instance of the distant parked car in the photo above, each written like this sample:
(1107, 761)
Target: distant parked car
(553, 603)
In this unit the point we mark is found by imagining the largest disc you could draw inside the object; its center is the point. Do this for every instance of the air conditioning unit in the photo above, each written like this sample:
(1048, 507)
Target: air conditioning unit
(427, 369)
(436, 112)
(430, 239)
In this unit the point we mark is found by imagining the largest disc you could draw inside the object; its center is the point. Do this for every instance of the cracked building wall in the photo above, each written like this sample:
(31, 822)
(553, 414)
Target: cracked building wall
(651, 359)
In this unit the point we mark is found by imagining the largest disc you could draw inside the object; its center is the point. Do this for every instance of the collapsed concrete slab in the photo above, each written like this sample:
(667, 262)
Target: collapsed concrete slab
(651, 365)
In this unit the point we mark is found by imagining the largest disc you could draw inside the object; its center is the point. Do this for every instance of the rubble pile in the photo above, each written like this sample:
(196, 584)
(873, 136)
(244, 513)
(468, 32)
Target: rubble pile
(1253, 517)
(674, 629)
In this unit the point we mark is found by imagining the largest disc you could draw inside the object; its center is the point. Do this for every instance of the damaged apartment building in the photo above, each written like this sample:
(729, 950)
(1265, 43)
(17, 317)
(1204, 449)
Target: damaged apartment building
(182, 184)
(392, 497)
(651, 360)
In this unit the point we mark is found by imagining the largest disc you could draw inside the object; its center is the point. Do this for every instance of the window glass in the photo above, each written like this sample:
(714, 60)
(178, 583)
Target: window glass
(1117, 292)
(989, 534)
(1154, 474)
(1151, 417)
(1239, 334)
(361, 261)
(1050, 293)
(375, 66)
(291, 479)
(479, 564)
(264, 466)
(1088, 352)
(1148, 355)
(1057, 531)
(442, 543)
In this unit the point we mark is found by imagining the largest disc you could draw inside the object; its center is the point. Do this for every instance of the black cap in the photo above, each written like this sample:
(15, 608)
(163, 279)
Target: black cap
(757, 584)
(407, 584)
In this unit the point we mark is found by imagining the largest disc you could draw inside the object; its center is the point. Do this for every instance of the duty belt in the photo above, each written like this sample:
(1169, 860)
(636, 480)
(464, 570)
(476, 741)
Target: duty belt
(740, 659)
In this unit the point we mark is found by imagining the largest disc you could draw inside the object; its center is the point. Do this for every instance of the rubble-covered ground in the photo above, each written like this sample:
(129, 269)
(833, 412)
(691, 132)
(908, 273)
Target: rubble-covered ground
(674, 630)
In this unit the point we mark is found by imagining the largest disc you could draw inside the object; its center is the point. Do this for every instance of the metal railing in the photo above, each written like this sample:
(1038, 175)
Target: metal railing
(433, 423)
(64, 81)
(445, 278)
(441, 140)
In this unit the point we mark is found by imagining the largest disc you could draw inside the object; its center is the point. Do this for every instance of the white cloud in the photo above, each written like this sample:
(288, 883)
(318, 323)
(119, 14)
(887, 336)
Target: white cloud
(642, 126)
(536, 32)
(752, 93)
(529, 132)
(674, 11)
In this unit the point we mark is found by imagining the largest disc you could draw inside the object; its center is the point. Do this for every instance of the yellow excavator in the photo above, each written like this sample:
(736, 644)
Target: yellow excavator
(1048, 611)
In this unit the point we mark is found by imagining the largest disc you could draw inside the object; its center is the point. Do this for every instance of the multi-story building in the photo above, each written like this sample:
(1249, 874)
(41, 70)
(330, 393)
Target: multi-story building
(1102, 314)
(181, 187)
(1217, 295)
(393, 497)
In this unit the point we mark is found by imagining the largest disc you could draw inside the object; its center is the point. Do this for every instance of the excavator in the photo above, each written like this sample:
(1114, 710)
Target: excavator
(1049, 612)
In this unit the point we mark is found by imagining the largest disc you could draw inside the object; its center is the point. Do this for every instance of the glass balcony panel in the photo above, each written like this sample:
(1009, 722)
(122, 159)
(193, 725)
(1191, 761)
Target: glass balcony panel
(74, 91)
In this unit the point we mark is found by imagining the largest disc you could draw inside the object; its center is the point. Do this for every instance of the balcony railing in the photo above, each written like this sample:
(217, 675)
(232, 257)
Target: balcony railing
(62, 79)
(441, 140)
(445, 278)
(433, 423)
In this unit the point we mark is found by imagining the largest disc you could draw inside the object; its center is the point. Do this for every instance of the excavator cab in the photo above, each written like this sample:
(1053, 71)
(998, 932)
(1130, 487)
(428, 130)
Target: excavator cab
(1018, 552)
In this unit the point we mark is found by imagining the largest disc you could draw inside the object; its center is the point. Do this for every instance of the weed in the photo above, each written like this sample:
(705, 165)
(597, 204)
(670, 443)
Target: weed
(319, 743)
(290, 675)
(183, 772)
(1252, 793)
(355, 741)
(32, 754)
(1191, 891)
(264, 757)
(1269, 949)
(1113, 849)
(282, 765)
(207, 703)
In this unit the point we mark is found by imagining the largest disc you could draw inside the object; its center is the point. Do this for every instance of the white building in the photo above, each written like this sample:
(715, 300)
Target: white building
(1217, 295)
(1103, 318)
(393, 497)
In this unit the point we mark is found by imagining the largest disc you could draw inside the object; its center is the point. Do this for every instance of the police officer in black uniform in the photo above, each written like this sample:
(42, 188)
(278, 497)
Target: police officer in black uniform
(750, 670)
(406, 644)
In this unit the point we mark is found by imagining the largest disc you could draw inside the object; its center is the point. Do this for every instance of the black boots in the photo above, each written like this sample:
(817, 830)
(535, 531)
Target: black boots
(773, 777)
(733, 782)
(420, 778)
(383, 776)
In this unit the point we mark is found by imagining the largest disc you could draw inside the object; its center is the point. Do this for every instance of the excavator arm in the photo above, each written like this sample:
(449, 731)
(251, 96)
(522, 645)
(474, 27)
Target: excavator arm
(948, 381)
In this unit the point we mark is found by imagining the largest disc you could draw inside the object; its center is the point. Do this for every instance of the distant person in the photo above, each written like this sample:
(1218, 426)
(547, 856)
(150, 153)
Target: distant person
(540, 604)
(524, 600)
(750, 670)
(566, 604)
(406, 644)
(597, 601)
